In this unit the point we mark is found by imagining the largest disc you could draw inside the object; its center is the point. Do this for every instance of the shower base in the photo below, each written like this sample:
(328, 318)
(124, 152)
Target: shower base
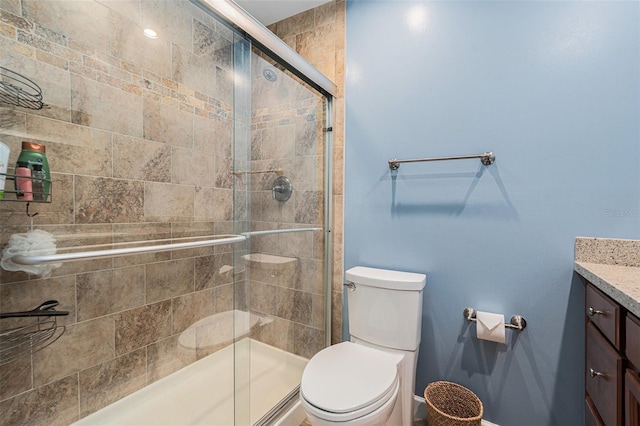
(202, 393)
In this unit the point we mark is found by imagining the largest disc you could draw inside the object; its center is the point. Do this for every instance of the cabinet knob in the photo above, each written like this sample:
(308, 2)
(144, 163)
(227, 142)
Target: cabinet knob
(593, 312)
(593, 373)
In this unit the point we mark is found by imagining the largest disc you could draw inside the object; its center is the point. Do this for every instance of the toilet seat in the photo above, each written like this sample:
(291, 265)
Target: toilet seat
(347, 381)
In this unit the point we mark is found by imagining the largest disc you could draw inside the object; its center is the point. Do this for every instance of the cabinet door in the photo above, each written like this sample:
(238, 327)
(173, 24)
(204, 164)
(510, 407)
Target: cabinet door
(632, 398)
(604, 377)
(591, 417)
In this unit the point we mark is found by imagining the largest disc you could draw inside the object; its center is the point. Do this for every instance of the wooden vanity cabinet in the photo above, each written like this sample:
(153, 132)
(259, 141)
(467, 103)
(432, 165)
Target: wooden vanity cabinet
(612, 362)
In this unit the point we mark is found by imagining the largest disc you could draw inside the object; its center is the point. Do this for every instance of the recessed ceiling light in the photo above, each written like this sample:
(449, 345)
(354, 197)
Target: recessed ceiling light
(150, 33)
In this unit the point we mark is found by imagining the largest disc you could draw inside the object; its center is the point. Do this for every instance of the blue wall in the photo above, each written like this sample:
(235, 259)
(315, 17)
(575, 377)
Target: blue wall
(553, 88)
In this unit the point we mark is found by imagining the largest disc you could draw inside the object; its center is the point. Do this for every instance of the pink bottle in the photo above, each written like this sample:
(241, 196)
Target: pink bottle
(24, 184)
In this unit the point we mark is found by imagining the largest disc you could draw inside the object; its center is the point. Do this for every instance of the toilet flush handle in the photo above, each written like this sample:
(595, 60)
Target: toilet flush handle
(350, 285)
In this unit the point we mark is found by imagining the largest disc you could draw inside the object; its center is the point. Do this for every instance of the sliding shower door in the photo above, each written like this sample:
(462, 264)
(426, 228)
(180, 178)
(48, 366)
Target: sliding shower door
(281, 183)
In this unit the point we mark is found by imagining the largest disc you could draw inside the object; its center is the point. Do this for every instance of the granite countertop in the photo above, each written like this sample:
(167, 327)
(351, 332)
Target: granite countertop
(621, 283)
(613, 266)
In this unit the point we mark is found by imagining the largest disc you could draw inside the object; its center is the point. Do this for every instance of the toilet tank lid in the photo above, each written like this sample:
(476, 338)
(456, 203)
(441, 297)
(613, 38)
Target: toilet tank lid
(385, 278)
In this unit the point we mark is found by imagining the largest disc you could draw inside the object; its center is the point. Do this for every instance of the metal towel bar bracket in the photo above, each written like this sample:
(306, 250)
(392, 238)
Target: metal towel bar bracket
(517, 322)
(487, 158)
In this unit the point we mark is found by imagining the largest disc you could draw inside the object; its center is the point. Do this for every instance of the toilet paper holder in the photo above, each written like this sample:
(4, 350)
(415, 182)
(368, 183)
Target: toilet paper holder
(517, 322)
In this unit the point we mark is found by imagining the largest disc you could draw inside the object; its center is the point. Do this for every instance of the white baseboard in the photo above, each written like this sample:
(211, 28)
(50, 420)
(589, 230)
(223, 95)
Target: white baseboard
(420, 410)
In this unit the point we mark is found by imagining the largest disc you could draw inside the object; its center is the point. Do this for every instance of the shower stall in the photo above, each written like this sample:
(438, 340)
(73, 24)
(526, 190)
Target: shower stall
(190, 157)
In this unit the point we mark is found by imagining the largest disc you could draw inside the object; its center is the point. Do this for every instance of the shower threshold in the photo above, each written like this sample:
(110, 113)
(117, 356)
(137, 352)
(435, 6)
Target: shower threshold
(203, 392)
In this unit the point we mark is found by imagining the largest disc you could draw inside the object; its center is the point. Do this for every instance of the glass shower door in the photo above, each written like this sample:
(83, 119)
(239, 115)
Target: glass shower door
(280, 171)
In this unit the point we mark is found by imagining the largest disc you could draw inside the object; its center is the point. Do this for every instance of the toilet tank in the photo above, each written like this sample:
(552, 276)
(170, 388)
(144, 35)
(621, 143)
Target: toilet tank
(385, 307)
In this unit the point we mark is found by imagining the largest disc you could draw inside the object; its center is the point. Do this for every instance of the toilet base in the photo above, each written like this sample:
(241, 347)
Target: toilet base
(389, 414)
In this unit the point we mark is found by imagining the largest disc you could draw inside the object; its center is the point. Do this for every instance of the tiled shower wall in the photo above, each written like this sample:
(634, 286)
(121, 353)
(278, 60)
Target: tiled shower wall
(287, 270)
(138, 136)
(319, 36)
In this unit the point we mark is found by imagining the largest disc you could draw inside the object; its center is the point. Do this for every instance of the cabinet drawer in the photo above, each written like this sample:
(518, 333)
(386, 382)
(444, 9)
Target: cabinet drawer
(603, 377)
(604, 313)
(632, 340)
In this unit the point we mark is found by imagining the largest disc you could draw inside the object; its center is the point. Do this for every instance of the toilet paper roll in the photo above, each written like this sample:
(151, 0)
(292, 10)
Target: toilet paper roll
(490, 326)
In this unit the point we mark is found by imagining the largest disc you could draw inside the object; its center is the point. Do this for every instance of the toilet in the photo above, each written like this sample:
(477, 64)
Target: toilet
(369, 380)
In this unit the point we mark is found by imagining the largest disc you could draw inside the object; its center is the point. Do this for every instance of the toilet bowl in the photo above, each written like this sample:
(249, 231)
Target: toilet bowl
(369, 380)
(350, 384)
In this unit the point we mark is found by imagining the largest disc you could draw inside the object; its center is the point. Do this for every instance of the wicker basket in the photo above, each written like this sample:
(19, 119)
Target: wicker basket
(449, 404)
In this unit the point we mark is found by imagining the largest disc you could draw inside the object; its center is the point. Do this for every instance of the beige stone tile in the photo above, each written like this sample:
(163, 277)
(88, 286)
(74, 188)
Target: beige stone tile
(105, 107)
(16, 377)
(172, 21)
(129, 44)
(72, 148)
(341, 24)
(12, 6)
(224, 297)
(271, 210)
(27, 295)
(139, 159)
(213, 135)
(190, 308)
(297, 244)
(278, 142)
(127, 8)
(106, 292)
(224, 177)
(309, 207)
(325, 14)
(213, 271)
(310, 279)
(277, 270)
(193, 71)
(279, 333)
(339, 72)
(168, 124)
(88, 343)
(70, 238)
(301, 311)
(308, 135)
(142, 326)
(338, 218)
(336, 317)
(263, 298)
(110, 381)
(201, 230)
(337, 270)
(338, 171)
(167, 202)
(100, 200)
(307, 340)
(213, 204)
(264, 243)
(37, 406)
(70, 18)
(212, 45)
(317, 311)
(189, 167)
(169, 279)
(137, 235)
(60, 210)
(306, 173)
(318, 45)
(295, 24)
(168, 356)
(53, 81)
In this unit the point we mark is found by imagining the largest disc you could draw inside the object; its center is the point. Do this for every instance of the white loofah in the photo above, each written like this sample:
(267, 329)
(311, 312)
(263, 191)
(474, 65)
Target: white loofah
(33, 243)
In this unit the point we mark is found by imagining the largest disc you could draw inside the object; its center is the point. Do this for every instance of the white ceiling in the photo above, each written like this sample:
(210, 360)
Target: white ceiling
(270, 11)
